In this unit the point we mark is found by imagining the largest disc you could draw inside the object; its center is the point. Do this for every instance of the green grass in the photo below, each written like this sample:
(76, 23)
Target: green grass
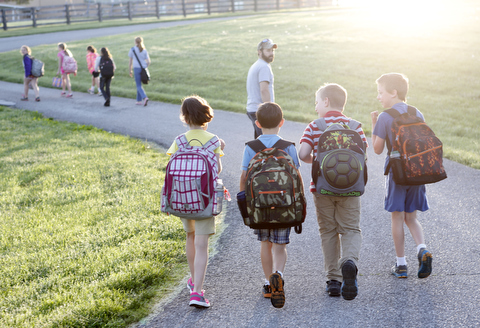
(82, 239)
(351, 48)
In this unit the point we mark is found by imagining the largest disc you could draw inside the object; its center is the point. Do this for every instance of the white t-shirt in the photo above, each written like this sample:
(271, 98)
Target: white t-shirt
(260, 71)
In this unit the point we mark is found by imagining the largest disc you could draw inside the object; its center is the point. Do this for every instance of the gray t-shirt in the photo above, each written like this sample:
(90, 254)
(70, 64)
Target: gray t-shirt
(260, 71)
(143, 56)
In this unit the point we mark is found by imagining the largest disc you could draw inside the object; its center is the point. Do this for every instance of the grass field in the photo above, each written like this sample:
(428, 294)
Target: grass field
(440, 55)
(82, 239)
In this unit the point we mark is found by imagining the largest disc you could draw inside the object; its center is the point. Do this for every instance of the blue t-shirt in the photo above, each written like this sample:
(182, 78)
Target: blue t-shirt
(268, 140)
(384, 123)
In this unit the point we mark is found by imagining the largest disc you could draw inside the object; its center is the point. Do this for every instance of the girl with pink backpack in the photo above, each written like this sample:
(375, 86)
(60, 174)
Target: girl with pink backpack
(66, 65)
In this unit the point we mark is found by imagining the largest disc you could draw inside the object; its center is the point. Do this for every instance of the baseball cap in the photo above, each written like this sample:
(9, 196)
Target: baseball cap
(266, 44)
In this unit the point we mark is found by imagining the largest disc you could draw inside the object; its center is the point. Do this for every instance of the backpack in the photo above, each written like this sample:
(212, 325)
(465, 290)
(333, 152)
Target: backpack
(69, 64)
(38, 67)
(274, 189)
(190, 179)
(416, 153)
(106, 67)
(339, 168)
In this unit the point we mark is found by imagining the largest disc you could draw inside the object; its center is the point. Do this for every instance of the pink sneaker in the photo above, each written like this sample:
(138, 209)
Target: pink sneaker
(69, 95)
(139, 103)
(198, 300)
(63, 94)
(145, 102)
(190, 285)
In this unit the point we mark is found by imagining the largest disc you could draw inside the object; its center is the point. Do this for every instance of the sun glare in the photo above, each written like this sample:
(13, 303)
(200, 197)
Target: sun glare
(417, 16)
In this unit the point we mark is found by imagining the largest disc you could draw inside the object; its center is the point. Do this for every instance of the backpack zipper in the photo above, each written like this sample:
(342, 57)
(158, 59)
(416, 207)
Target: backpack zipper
(423, 152)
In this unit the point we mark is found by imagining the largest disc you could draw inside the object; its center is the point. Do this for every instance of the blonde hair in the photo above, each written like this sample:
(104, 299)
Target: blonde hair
(63, 46)
(336, 94)
(139, 43)
(395, 81)
(29, 51)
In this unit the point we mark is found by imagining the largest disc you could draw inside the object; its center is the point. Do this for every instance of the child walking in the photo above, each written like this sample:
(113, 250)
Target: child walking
(338, 217)
(91, 57)
(106, 73)
(28, 79)
(402, 201)
(273, 242)
(197, 113)
(62, 52)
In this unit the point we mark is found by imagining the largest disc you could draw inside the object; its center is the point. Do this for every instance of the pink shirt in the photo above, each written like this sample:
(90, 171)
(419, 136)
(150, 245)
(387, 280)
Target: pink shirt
(60, 55)
(91, 57)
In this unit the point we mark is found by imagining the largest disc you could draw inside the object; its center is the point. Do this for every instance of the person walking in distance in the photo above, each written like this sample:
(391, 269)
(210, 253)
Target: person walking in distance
(260, 81)
(143, 57)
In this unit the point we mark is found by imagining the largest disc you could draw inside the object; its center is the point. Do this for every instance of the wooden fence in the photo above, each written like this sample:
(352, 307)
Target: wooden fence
(90, 11)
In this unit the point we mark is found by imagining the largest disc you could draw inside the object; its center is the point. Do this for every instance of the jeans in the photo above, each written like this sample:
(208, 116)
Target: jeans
(105, 87)
(138, 81)
(253, 117)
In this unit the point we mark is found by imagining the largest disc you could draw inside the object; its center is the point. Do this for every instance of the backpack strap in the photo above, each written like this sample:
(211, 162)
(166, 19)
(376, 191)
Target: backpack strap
(258, 146)
(353, 124)
(212, 144)
(392, 112)
(321, 124)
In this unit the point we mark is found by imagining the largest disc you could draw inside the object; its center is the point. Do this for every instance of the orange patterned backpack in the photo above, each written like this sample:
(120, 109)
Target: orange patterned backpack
(416, 153)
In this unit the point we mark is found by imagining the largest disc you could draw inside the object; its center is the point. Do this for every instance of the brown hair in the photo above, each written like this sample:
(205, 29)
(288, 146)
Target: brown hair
(63, 46)
(336, 94)
(105, 53)
(196, 111)
(395, 81)
(92, 49)
(139, 43)
(269, 115)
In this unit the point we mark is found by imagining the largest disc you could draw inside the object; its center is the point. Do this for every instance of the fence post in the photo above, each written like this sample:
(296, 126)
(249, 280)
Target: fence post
(233, 6)
(208, 7)
(4, 20)
(99, 9)
(157, 9)
(184, 9)
(254, 5)
(129, 7)
(34, 16)
(67, 13)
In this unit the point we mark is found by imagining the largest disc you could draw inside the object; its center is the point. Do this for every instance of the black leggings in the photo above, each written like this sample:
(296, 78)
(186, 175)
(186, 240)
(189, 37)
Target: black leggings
(105, 87)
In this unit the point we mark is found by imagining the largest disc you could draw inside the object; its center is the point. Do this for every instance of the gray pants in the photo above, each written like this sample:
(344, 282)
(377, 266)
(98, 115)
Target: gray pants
(253, 117)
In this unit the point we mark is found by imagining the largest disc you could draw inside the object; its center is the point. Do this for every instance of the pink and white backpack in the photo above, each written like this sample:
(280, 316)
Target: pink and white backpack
(69, 64)
(190, 179)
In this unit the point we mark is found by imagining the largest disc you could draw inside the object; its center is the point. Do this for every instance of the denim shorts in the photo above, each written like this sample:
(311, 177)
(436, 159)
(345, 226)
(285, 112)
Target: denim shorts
(276, 236)
(404, 198)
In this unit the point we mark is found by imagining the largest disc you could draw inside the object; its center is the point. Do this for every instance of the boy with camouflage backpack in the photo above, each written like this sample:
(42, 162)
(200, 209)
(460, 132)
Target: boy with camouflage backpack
(273, 248)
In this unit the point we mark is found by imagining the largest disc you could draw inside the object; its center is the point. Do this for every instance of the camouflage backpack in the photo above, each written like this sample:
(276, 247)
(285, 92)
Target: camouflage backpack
(416, 154)
(274, 189)
(339, 168)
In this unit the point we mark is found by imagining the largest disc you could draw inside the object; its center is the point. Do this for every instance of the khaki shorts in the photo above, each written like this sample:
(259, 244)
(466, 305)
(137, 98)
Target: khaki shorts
(200, 227)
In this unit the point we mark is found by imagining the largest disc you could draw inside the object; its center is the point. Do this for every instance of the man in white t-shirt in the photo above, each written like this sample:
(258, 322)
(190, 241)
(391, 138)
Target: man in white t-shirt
(260, 81)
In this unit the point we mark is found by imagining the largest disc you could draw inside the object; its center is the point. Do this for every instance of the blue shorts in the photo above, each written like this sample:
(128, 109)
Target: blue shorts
(404, 198)
(276, 236)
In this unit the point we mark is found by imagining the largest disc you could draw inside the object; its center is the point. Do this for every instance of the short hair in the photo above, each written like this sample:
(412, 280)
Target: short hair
(29, 51)
(336, 94)
(395, 81)
(195, 111)
(269, 115)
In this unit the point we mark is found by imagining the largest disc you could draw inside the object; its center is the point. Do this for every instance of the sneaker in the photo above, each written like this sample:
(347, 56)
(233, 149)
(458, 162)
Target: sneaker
(107, 103)
(37, 99)
(278, 294)
(267, 291)
(139, 103)
(99, 94)
(24, 98)
(190, 285)
(333, 287)
(63, 94)
(198, 300)
(69, 95)
(399, 271)
(424, 263)
(349, 285)
(145, 102)
(91, 91)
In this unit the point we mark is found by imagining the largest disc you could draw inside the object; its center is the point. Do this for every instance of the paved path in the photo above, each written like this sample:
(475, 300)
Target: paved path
(448, 298)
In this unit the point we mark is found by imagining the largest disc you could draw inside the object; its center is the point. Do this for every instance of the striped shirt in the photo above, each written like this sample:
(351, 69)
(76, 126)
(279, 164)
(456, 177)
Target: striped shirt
(312, 134)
